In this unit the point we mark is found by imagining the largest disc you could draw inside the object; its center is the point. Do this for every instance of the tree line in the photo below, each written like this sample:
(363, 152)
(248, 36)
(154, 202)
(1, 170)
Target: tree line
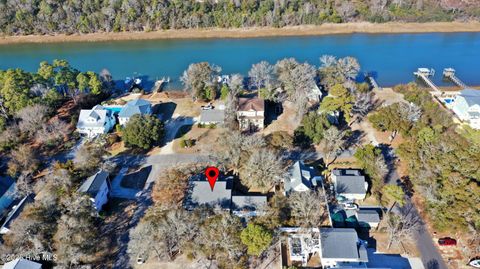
(53, 17)
(442, 158)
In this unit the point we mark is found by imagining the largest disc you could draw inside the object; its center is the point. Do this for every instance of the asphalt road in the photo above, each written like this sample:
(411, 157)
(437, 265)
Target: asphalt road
(430, 254)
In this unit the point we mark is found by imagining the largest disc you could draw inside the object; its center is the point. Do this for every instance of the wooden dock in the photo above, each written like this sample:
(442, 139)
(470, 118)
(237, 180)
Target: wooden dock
(372, 82)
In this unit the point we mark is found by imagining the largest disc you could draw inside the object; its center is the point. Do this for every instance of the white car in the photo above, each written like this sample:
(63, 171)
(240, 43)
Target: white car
(351, 206)
(140, 259)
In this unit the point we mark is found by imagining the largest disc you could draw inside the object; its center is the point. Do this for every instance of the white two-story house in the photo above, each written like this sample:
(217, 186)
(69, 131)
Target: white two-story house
(251, 114)
(467, 107)
(98, 188)
(95, 121)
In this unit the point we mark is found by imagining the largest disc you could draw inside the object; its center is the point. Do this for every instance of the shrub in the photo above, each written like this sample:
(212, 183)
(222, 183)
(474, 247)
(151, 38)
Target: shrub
(143, 131)
(256, 238)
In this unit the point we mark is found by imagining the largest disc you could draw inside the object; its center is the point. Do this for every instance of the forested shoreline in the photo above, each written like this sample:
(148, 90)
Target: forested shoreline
(69, 17)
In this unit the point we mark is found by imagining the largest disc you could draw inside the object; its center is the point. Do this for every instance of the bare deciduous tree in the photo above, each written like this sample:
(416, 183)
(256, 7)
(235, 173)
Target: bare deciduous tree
(232, 147)
(89, 155)
(363, 105)
(235, 84)
(32, 118)
(198, 76)
(23, 160)
(53, 131)
(401, 226)
(411, 112)
(165, 233)
(333, 143)
(262, 75)
(308, 208)
(76, 239)
(263, 170)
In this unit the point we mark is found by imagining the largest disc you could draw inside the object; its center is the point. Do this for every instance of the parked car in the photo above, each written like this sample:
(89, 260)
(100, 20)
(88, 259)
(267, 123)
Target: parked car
(447, 241)
(140, 259)
(475, 262)
(351, 206)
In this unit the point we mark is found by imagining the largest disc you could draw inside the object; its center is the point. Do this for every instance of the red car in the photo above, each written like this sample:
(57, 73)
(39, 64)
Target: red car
(447, 241)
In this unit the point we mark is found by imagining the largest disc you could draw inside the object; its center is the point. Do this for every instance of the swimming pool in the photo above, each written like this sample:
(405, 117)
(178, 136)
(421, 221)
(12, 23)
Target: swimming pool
(114, 109)
(448, 100)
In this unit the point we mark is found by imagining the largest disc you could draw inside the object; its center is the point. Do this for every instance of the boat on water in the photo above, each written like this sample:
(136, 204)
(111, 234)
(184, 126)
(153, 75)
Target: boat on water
(133, 83)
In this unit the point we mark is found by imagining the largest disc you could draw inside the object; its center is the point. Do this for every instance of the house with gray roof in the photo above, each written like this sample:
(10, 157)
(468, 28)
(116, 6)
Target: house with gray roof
(248, 205)
(98, 188)
(15, 213)
(22, 264)
(466, 106)
(367, 218)
(134, 107)
(349, 184)
(7, 194)
(301, 178)
(199, 193)
(95, 121)
(341, 247)
(212, 116)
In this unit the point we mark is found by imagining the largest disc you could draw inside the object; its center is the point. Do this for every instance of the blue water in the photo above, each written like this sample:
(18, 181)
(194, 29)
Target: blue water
(392, 56)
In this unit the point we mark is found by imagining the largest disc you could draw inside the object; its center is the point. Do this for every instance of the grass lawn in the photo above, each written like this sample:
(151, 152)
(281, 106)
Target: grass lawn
(204, 137)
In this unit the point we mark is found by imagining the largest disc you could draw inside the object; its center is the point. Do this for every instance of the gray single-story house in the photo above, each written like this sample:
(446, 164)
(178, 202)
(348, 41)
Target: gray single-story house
(15, 213)
(7, 194)
(341, 247)
(367, 218)
(301, 178)
(22, 264)
(248, 206)
(349, 184)
(199, 193)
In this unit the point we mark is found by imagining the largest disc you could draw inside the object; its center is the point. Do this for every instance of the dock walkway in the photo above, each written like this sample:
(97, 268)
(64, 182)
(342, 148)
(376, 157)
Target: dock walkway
(372, 81)
(450, 74)
(424, 74)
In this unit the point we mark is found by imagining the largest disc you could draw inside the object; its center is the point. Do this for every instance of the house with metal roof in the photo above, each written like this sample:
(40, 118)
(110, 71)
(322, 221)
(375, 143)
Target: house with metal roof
(95, 121)
(98, 188)
(349, 184)
(134, 107)
(341, 247)
(22, 264)
(301, 178)
(251, 113)
(199, 193)
(15, 213)
(248, 205)
(466, 106)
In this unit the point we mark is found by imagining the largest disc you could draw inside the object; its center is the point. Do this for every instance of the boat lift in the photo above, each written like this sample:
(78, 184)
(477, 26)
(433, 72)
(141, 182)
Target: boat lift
(449, 73)
(425, 74)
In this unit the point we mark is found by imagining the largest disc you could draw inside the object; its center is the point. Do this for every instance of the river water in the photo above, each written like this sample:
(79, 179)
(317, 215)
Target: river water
(393, 57)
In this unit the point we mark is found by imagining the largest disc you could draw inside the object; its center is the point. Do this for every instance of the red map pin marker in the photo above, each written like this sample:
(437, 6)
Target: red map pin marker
(212, 175)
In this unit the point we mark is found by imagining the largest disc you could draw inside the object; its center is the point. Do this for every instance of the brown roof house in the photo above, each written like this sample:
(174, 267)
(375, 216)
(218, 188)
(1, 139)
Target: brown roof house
(251, 113)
